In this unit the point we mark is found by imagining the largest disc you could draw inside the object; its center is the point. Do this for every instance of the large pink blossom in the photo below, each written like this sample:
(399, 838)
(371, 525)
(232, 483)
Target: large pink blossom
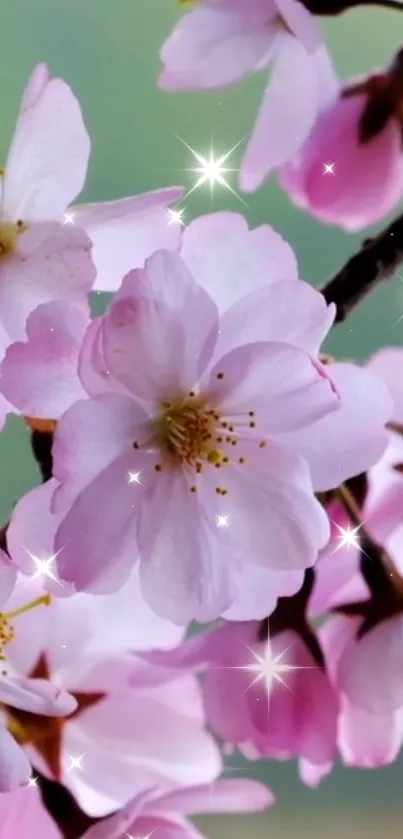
(46, 170)
(365, 179)
(23, 815)
(198, 429)
(221, 41)
(167, 814)
(129, 738)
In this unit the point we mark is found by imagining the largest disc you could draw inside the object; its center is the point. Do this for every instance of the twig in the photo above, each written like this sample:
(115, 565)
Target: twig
(374, 264)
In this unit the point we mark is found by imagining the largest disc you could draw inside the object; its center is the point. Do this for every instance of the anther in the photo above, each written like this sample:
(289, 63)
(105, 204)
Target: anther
(262, 444)
(193, 489)
(252, 425)
(251, 413)
(242, 460)
(136, 445)
(158, 467)
(220, 375)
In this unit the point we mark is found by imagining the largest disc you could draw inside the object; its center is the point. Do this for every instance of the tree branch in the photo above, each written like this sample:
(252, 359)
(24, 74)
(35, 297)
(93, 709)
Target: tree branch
(374, 264)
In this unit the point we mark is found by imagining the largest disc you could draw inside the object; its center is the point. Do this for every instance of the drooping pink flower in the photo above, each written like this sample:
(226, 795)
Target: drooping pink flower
(221, 41)
(294, 719)
(350, 170)
(167, 813)
(182, 444)
(129, 739)
(23, 815)
(45, 171)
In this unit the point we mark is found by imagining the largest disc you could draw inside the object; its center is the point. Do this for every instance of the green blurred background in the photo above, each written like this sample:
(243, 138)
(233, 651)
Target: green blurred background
(108, 52)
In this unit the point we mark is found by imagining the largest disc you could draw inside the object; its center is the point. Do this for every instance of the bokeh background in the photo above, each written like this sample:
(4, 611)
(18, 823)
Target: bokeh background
(108, 52)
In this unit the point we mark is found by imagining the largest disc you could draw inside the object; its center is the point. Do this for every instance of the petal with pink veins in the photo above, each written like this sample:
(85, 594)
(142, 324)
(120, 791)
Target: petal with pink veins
(15, 769)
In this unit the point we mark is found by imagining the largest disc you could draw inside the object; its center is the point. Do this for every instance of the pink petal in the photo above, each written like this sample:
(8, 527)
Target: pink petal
(350, 440)
(96, 541)
(280, 383)
(301, 23)
(379, 689)
(312, 774)
(209, 48)
(287, 113)
(47, 162)
(22, 814)
(40, 376)
(238, 795)
(52, 262)
(230, 261)
(92, 365)
(258, 592)
(186, 573)
(91, 435)
(369, 740)
(386, 364)
(291, 312)
(36, 695)
(367, 180)
(274, 519)
(163, 317)
(15, 769)
(125, 233)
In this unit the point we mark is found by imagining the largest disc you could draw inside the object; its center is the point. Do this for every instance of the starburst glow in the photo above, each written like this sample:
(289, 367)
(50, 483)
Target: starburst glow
(43, 566)
(75, 762)
(269, 668)
(348, 537)
(68, 218)
(212, 170)
(222, 521)
(134, 477)
(175, 216)
(328, 168)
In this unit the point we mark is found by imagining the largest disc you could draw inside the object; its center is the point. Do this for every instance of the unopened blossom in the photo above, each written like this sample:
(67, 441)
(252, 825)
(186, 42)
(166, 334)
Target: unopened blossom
(119, 740)
(167, 813)
(179, 455)
(350, 170)
(45, 171)
(23, 815)
(218, 42)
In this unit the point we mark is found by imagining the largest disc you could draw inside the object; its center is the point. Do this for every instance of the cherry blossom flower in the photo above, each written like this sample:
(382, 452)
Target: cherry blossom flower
(119, 740)
(360, 136)
(22, 814)
(221, 41)
(167, 813)
(45, 171)
(176, 423)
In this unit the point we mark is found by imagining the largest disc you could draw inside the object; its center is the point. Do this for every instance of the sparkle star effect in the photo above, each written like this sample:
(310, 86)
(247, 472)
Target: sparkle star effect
(33, 782)
(130, 835)
(44, 566)
(349, 537)
(69, 218)
(328, 168)
(175, 216)
(269, 668)
(134, 477)
(75, 762)
(222, 521)
(212, 170)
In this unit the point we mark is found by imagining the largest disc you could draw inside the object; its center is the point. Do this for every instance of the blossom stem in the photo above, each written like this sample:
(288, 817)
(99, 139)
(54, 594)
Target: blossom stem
(375, 263)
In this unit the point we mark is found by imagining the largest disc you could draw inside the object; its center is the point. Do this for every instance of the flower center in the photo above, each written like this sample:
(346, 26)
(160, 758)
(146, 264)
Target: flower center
(186, 432)
(7, 630)
(9, 232)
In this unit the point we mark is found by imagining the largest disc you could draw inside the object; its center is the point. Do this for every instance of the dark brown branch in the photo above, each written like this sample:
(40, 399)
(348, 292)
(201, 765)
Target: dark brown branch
(374, 264)
(61, 805)
(41, 444)
(336, 7)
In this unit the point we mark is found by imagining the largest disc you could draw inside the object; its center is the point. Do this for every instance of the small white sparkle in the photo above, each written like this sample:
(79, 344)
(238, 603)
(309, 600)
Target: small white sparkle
(348, 537)
(130, 836)
(328, 168)
(222, 521)
(69, 218)
(75, 762)
(269, 668)
(134, 477)
(44, 566)
(33, 782)
(175, 216)
(212, 170)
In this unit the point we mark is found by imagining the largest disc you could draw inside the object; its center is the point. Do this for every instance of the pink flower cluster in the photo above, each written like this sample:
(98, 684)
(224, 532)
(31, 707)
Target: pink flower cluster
(207, 462)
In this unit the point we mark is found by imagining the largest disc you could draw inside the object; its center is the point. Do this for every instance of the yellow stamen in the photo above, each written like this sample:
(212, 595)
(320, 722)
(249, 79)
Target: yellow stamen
(45, 600)
(9, 232)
